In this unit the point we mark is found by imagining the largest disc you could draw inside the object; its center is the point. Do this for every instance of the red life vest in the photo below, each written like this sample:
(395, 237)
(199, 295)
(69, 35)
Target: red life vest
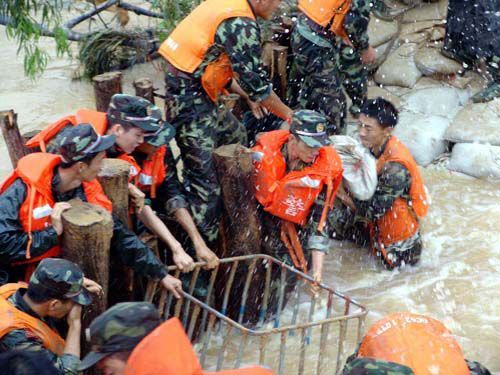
(291, 195)
(186, 46)
(401, 220)
(327, 13)
(12, 319)
(153, 172)
(419, 342)
(150, 357)
(36, 171)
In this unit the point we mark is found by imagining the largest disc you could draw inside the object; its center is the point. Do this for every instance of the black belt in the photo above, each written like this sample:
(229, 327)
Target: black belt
(178, 73)
(318, 29)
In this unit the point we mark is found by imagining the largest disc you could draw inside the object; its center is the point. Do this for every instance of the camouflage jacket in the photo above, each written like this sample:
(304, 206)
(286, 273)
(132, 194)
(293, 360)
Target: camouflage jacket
(355, 26)
(13, 239)
(20, 339)
(240, 38)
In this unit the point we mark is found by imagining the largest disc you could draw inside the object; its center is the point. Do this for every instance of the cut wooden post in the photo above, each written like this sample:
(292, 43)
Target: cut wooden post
(114, 181)
(144, 89)
(105, 86)
(12, 136)
(240, 233)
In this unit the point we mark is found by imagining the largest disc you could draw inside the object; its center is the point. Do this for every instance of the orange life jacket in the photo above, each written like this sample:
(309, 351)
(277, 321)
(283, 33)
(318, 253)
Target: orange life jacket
(36, 171)
(186, 46)
(12, 319)
(291, 195)
(401, 220)
(419, 342)
(153, 172)
(329, 14)
(150, 357)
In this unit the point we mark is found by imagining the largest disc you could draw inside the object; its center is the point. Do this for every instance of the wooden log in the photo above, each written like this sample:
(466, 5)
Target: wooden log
(114, 181)
(241, 227)
(144, 89)
(105, 86)
(12, 136)
(26, 137)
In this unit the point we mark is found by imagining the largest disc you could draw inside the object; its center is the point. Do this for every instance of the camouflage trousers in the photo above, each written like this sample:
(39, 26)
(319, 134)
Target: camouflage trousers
(201, 126)
(317, 76)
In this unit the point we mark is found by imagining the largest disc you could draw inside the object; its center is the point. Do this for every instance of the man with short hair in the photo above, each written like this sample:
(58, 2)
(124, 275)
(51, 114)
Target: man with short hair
(34, 196)
(217, 47)
(400, 200)
(56, 290)
(131, 339)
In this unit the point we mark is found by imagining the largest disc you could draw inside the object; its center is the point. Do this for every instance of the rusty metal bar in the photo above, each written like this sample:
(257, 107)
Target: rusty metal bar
(211, 283)
(243, 344)
(310, 318)
(361, 328)
(298, 289)
(262, 348)
(342, 336)
(193, 320)
(150, 290)
(302, 356)
(281, 365)
(244, 297)
(228, 287)
(324, 335)
(170, 295)
(281, 297)
(192, 285)
(265, 302)
(208, 336)
(222, 351)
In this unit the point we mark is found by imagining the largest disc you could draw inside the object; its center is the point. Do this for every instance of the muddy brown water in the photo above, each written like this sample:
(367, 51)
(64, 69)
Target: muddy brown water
(458, 280)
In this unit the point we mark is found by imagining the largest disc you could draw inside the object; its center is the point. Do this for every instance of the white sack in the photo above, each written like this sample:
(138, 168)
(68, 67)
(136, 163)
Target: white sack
(399, 69)
(437, 101)
(360, 169)
(477, 160)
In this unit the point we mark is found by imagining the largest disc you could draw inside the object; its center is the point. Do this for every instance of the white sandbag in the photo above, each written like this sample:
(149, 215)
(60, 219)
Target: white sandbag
(360, 169)
(399, 69)
(427, 12)
(476, 123)
(430, 61)
(375, 92)
(380, 32)
(477, 160)
(437, 101)
(423, 135)
(381, 53)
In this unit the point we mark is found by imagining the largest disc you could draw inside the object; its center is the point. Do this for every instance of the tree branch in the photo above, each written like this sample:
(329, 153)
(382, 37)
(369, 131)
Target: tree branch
(45, 31)
(139, 10)
(75, 21)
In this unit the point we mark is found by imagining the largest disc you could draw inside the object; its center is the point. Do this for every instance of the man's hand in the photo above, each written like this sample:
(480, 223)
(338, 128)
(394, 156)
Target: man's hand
(258, 110)
(137, 197)
(173, 285)
(368, 56)
(204, 254)
(182, 260)
(74, 317)
(55, 217)
(317, 271)
(345, 198)
(92, 287)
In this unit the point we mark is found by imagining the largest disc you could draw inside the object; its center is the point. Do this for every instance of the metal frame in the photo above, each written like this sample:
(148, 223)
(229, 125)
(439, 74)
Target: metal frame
(216, 321)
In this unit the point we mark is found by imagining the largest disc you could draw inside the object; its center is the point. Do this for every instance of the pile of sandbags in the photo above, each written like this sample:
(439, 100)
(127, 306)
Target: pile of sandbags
(477, 160)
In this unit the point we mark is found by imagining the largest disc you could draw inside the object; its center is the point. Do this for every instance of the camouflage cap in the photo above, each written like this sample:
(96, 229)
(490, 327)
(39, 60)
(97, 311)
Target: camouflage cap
(162, 136)
(59, 279)
(120, 329)
(75, 143)
(370, 366)
(136, 111)
(310, 127)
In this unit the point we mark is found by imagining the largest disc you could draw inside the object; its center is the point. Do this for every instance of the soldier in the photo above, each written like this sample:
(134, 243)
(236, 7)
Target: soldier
(131, 339)
(56, 290)
(330, 48)
(35, 195)
(390, 219)
(297, 176)
(218, 41)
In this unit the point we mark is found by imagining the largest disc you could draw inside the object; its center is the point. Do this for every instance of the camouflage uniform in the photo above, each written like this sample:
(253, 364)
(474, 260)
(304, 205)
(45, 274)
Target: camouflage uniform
(201, 128)
(120, 329)
(369, 366)
(53, 278)
(322, 63)
(393, 182)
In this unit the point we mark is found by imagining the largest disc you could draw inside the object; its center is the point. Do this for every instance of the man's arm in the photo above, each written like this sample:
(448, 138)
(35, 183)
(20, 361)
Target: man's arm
(13, 238)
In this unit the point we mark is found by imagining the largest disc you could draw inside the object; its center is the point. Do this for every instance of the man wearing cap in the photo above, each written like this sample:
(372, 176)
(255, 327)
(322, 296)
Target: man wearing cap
(36, 193)
(297, 177)
(56, 290)
(131, 339)
(389, 221)
(216, 48)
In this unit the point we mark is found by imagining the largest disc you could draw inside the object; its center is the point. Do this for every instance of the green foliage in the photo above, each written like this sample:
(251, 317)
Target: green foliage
(175, 11)
(26, 16)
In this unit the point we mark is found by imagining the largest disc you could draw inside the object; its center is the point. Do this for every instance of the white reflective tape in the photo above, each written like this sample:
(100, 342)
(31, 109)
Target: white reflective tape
(309, 182)
(145, 179)
(257, 156)
(133, 171)
(172, 44)
(43, 211)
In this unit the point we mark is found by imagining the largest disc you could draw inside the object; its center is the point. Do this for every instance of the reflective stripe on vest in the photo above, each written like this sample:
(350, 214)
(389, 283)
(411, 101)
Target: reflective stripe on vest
(327, 13)
(153, 172)
(419, 342)
(400, 221)
(186, 46)
(12, 319)
(291, 195)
